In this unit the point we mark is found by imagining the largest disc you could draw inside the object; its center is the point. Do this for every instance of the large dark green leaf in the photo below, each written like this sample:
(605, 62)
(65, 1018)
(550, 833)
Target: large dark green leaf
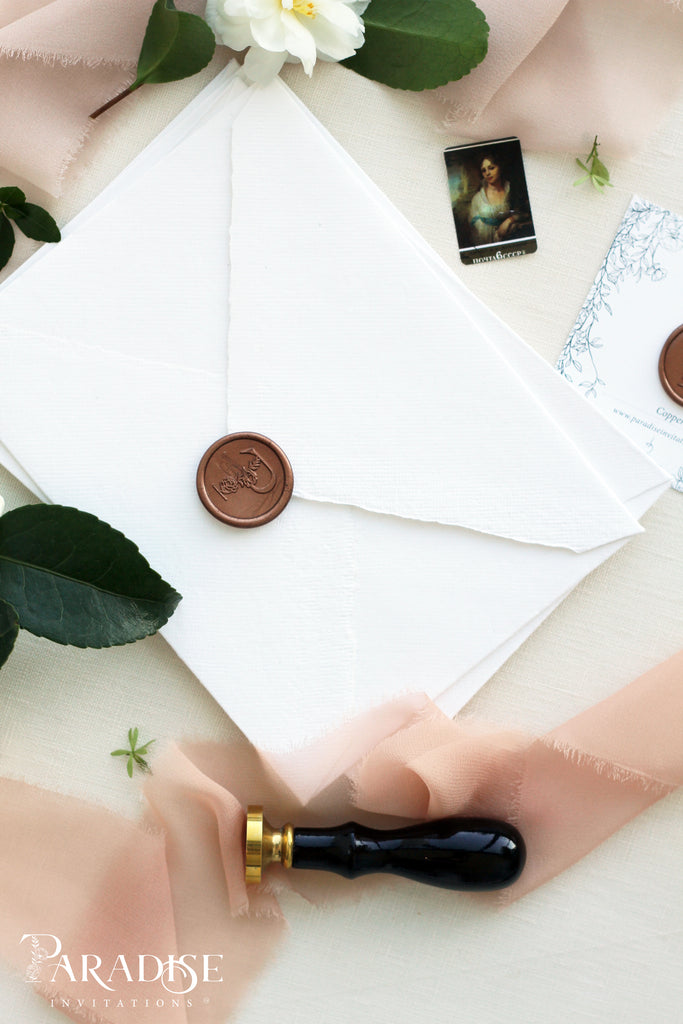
(420, 44)
(12, 195)
(176, 45)
(6, 240)
(34, 221)
(9, 628)
(76, 580)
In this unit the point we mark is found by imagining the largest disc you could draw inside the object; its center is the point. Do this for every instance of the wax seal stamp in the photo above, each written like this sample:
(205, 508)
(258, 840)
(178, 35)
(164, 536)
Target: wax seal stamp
(474, 854)
(671, 365)
(245, 480)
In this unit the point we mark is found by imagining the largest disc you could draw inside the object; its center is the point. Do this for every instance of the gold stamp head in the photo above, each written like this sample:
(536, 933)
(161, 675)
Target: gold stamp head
(265, 845)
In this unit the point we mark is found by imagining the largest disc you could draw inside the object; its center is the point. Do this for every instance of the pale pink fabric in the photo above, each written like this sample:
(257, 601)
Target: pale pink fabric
(579, 68)
(174, 884)
(59, 61)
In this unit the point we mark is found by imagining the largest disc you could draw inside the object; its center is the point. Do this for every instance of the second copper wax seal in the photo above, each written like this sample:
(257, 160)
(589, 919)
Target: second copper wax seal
(671, 365)
(245, 480)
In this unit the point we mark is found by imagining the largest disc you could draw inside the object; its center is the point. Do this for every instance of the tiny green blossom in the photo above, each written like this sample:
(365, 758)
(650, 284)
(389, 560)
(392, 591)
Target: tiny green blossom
(595, 170)
(135, 754)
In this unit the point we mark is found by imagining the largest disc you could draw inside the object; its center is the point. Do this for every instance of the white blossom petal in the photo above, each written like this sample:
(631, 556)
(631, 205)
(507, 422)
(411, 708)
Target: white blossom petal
(270, 33)
(262, 65)
(333, 43)
(236, 33)
(299, 40)
(341, 16)
(260, 8)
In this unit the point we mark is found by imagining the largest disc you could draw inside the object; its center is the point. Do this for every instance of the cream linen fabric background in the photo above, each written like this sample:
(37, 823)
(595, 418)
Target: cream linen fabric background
(603, 941)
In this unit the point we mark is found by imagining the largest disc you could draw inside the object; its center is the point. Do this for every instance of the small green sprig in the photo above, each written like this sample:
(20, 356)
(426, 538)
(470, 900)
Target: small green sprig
(136, 755)
(32, 220)
(595, 170)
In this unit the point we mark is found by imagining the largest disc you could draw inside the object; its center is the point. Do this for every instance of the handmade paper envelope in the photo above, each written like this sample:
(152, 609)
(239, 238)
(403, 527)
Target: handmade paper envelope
(449, 488)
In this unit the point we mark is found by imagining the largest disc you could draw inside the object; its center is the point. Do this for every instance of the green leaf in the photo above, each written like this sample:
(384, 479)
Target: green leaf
(411, 44)
(120, 753)
(6, 240)
(76, 580)
(598, 170)
(34, 221)
(160, 35)
(582, 166)
(176, 45)
(133, 737)
(129, 767)
(12, 195)
(9, 630)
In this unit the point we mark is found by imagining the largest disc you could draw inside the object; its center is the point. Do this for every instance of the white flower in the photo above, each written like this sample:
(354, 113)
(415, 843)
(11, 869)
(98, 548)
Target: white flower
(280, 30)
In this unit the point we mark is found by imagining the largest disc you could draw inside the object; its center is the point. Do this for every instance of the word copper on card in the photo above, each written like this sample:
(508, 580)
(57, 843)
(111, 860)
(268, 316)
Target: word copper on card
(490, 201)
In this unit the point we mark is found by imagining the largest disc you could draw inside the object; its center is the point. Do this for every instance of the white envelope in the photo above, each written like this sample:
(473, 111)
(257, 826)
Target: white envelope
(449, 488)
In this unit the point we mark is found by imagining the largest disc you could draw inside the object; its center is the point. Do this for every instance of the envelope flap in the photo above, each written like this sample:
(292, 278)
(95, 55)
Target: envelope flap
(259, 623)
(384, 394)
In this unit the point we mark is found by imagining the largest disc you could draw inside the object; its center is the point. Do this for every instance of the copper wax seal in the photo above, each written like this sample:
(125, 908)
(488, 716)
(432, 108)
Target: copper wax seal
(245, 480)
(671, 365)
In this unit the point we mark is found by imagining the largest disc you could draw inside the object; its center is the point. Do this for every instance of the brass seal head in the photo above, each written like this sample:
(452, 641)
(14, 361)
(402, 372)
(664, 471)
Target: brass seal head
(265, 845)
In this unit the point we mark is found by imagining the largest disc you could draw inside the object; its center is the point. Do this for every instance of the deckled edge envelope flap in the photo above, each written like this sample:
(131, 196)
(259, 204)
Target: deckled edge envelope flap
(346, 347)
(623, 466)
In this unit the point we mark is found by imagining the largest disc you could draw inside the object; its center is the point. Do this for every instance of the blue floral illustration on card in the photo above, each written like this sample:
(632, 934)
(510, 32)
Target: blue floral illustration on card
(635, 253)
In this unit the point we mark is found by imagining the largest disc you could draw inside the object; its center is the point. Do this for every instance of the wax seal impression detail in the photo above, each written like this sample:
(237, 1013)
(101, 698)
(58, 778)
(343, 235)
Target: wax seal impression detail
(245, 480)
(671, 365)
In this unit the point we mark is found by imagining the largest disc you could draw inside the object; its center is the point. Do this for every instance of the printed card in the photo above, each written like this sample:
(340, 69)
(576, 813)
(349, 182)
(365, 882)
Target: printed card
(626, 350)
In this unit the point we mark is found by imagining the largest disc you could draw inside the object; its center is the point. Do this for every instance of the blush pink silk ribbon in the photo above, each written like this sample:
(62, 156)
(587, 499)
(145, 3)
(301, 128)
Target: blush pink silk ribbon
(554, 75)
(160, 911)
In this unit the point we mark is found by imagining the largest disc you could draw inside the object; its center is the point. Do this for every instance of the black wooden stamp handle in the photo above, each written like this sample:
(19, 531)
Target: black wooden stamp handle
(472, 854)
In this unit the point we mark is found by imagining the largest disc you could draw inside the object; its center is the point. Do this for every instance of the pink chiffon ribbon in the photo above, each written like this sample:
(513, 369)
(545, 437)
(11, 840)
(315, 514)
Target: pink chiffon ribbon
(565, 70)
(557, 72)
(171, 890)
(59, 61)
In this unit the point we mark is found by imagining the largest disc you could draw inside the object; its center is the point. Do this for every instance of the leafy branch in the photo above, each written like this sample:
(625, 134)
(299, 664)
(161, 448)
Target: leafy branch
(595, 170)
(176, 45)
(136, 755)
(32, 220)
(68, 576)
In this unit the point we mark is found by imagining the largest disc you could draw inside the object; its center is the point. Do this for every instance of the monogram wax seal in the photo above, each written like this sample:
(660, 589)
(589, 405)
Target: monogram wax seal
(671, 365)
(245, 480)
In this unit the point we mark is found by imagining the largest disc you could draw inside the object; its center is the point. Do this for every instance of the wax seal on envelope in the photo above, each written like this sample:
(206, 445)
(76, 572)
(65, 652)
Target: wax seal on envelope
(671, 365)
(245, 480)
